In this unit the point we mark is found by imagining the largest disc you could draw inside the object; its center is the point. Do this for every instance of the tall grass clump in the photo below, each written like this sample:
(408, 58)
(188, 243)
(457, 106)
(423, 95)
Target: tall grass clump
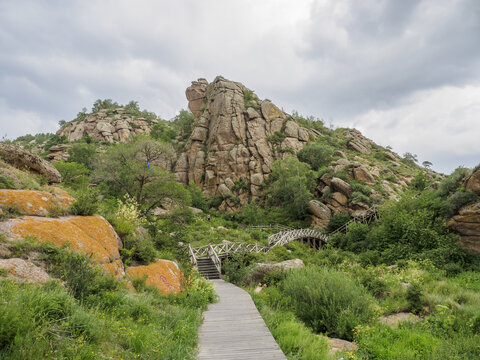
(328, 301)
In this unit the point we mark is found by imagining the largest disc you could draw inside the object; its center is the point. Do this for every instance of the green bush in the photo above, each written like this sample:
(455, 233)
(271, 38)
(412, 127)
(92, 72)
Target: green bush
(6, 183)
(87, 202)
(138, 248)
(337, 221)
(329, 301)
(83, 153)
(74, 175)
(414, 298)
(316, 155)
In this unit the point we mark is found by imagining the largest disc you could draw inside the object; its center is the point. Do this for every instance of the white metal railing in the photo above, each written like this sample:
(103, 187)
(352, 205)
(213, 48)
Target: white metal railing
(284, 237)
(191, 254)
(216, 260)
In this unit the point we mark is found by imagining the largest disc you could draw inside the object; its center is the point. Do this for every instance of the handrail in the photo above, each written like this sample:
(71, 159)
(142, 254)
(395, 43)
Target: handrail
(215, 259)
(271, 226)
(192, 256)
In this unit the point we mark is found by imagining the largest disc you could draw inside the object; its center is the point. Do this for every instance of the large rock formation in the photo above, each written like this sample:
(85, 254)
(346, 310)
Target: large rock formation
(235, 140)
(24, 160)
(91, 235)
(39, 203)
(467, 222)
(165, 275)
(106, 125)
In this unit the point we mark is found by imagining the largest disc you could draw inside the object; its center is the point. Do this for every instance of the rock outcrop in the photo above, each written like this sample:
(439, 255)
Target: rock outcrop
(38, 203)
(59, 153)
(90, 235)
(235, 140)
(24, 160)
(321, 214)
(106, 125)
(24, 270)
(467, 225)
(467, 221)
(165, 275)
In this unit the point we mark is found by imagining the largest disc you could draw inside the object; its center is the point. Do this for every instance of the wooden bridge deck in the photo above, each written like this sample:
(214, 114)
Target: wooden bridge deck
(234, 330)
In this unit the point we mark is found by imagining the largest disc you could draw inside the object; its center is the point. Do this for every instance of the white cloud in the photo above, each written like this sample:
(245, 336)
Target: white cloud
(370, 63)
(431, 123)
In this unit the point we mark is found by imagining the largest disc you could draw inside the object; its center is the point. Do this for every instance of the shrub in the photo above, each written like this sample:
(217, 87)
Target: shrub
(337, 221)
(73, 174)
(138, 248)
(329, 301)
(87, 202)
(414, 298)
(6, 183)
(277, 138)
(83, 153)
(316, 155)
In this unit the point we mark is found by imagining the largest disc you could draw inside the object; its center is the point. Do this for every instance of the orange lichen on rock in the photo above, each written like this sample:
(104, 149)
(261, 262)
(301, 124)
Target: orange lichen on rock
(39, 203)
(165, 275)
(91, 235)
(114, 268)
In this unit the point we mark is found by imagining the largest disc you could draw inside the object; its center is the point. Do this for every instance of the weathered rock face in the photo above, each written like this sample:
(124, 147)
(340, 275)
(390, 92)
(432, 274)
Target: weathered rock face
(105, 125)
(39, 203)
(165, 275)
(23, 270)
(473, 183)
(24, 160)
(358, 142)
(467, 225)
(321, 214)
(59, 153)
(229, 143)
(91, 235)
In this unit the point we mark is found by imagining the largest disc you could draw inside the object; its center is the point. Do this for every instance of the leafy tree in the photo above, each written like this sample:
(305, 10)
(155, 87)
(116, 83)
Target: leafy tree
(163, 132)
(83, 153)
(316, 155)
(184, 121)
(419, 182)
(290, 184)
(73, 174)
(104, 104)
(427, 164)
(411, 158)
(130, 169)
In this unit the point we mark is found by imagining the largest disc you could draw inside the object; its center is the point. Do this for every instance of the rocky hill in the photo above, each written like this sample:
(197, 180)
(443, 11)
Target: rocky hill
(107, 125)
(236, 138)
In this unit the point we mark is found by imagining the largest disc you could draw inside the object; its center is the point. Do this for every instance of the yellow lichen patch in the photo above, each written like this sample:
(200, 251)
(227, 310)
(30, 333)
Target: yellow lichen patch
(91, 235)
(30, 202)
(165, 275)
(114, 268)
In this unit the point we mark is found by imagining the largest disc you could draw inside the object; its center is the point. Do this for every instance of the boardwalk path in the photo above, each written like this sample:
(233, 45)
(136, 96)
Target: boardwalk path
(233, 328)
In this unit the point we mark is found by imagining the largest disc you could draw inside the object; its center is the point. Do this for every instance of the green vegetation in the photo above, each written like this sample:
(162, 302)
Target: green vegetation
(93, 316)
(290, 185)
(250, 98)
(316, 155)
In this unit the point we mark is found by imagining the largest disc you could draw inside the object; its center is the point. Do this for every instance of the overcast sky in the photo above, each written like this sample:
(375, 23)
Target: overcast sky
(404, 72)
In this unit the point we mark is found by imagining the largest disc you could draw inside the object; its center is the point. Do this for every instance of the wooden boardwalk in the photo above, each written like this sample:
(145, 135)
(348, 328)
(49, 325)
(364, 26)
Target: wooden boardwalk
(233, 329)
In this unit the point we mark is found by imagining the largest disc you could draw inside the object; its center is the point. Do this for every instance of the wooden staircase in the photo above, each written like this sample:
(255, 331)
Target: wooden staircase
(207, 268)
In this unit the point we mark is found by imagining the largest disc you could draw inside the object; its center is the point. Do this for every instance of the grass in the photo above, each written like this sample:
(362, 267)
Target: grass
(295, 339)
(93, 316)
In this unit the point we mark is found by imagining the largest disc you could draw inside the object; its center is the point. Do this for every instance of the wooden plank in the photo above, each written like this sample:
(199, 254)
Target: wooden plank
(234, 330)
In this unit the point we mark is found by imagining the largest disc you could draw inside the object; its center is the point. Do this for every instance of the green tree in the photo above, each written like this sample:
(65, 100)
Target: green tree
(130, 169)
(427, 164)
(73, 174)
(83, 153)
(289, 186)
(184, 121)
(411, 158)
(316, 155)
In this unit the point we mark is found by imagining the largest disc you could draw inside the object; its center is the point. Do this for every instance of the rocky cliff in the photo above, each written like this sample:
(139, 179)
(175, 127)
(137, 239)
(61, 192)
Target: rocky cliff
(467, 222)
(235, 140)
(107, 125)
